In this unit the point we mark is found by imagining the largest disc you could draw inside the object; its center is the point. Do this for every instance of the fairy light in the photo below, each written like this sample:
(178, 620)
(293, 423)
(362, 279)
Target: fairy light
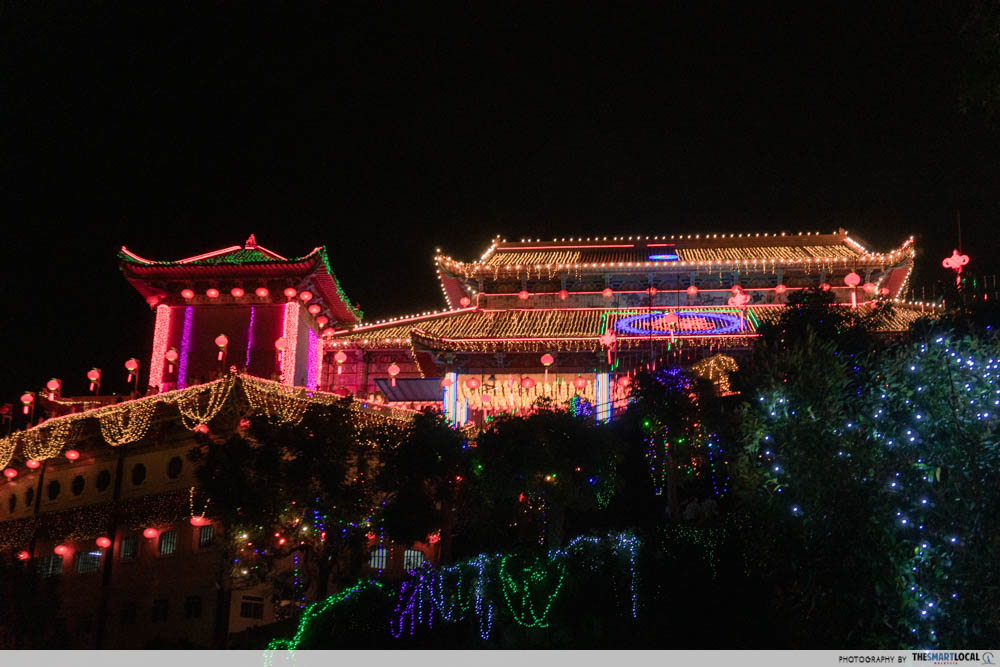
(161, 335)
(182, 363)
(290, 332)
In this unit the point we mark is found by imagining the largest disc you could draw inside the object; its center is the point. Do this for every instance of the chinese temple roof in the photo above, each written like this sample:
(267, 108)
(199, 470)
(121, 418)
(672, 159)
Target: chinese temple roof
(571, 329)
(247, 262)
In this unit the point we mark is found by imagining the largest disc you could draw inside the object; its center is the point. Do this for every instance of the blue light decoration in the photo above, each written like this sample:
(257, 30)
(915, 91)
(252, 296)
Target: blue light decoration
(668, 253)
(644, 324)
(581, 407)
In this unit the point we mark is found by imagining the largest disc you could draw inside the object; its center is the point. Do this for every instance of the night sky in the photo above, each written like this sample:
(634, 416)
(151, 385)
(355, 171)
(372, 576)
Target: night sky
(384, 130)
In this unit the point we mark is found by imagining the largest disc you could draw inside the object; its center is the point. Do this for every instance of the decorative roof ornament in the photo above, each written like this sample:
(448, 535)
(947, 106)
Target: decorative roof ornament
(251, 242)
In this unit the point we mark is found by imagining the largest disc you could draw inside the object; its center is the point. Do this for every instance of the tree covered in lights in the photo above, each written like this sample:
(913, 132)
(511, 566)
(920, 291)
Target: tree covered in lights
(298, 501)
(869, 483)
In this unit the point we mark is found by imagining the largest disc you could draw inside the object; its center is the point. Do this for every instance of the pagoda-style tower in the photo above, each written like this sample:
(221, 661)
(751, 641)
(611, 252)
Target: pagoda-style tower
(243, 306)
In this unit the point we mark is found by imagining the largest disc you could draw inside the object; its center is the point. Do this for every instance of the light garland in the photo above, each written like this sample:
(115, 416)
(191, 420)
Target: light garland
(189, 406)
(716, 369)
(127, 422)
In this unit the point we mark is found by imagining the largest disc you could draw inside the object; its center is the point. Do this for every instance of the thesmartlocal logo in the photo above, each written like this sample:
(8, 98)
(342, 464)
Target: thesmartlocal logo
(954, 657)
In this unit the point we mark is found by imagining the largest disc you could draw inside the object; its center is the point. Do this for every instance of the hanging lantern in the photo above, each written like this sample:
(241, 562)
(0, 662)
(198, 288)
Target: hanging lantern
(305, 295)
(852, 279)
(61, 549)
(279, 344)
(579, 382)
(23, 554)
(651, 291)
(780, 289)
(212, 293)
(340, 357)
(869, 288)
(187, 293)
(314, 309)
(10, 473)
(199, 521)
(132, 366)
(547, 360)
(563, 294)
(527, 383)
(393, 372)
(262, 292)
(671, 319)
(884, 291)
(824, 286)
(322, 321)
(222, 341)
(53, 386)
(446, 382)
(692, 290)
(607, 292)
(523, 295)
(290, 292)
(94, 375)
(33, 464)
(171, 356)
(26, 400)
(473, 383)
(103, 542)
(201, 428)
(150, 533)
(465, 302)
(328, 333)
(72, 454)
(237, 292)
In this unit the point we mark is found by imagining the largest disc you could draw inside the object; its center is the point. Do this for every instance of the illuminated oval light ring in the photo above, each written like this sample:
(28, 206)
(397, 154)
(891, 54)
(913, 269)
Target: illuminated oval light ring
(726, 323)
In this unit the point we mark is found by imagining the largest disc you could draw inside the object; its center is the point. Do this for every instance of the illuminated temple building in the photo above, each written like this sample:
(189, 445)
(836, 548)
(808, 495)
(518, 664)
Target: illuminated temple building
(100, 493)
(596, 311)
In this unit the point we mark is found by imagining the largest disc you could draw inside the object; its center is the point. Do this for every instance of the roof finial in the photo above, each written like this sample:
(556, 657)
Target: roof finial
(251, 242)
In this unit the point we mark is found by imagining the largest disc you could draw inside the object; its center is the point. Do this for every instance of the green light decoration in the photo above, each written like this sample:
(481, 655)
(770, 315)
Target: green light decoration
(531, 584)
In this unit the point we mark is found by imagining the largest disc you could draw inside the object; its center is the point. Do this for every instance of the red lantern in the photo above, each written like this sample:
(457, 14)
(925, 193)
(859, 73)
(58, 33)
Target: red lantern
(527, 383)
(150, 533)
(465, 302)
(262, 292)
(61, 549)
(340, 357)
(547, 360)
(237, 292)
(328, 333)
(290, 292)
(103, 542)
(171, 356)
(305, 295)
(279, 344)
(212, 293)
(393, 372)
(33, 464)
(53, 386)
(486, 399)
(23, 554)
(314, 308)
(473, 383)
(692, 290)
(563, 294)
(446, 382)
(434, 538)
(852, 279)
(322, 321)
(26, 400)
(579, 382)
(222, 341)
(94, 375)
(780, 289)
(187, 293)
(201, 428)
(72, 454)
(869, 288)
(10, 473)
(132, 366)
(523, 295)
(824, 286)
(651, 291)
(199, 521)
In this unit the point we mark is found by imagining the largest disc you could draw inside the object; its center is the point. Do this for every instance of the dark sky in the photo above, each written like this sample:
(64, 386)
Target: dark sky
(383, 130)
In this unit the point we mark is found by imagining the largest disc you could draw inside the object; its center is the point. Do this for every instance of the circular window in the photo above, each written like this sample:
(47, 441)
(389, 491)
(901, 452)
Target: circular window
(103, 480)
(174, 467)
(77, 485)
(29, 497)
(54, 489)
(138, 474)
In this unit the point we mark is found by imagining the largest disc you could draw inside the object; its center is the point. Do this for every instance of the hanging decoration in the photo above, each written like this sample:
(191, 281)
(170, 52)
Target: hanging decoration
(171, 356)
(222, 341)
(547, 360)
(955, 263)
(393, 371)
(852, 280)
(94, 375)
(27, 402)
(53, 387)
(132, 366)
(125, 423)
(190, 405)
